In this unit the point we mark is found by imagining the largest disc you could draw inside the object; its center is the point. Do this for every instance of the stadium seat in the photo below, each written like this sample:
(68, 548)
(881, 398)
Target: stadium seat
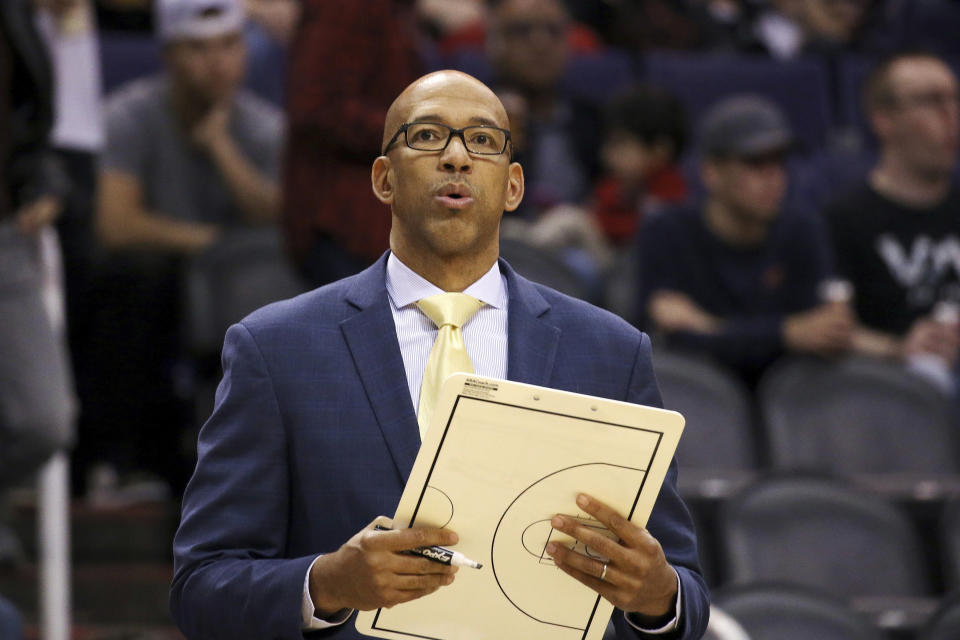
(545, 267)
(722, 626)
(799, 87)
(857, 416)
(719, 432)
(245, 270)
(950, 543)
(822, 534)
(944, 624)
(779, 611)
(127, 56)
(593, 78)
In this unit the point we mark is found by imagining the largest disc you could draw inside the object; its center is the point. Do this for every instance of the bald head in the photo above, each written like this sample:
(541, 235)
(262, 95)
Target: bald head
(442, 86)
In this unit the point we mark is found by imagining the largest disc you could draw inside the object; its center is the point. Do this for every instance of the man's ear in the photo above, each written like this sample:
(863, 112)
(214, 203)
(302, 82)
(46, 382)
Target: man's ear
(514, 187)
(381, 178)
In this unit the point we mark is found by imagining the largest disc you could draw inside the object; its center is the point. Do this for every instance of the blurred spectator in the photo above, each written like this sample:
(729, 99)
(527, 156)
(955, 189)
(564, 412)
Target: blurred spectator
(528, 50)
(347, 62)
(454, 24)
(269, 30)
(69, 30)
(277, 17)
(896, 236)
(790, 28)
(644, 25)
(187, 152)
(737, 278)
(71, 35)
(645, 134)
(36, 400)
(11, 627)
(188, 156)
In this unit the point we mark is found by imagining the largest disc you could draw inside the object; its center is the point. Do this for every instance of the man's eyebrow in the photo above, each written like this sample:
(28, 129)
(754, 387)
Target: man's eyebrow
(428, 117)
(433, 117)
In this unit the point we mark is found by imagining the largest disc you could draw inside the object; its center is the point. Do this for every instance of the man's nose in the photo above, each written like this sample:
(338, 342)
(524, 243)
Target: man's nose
(456, 157)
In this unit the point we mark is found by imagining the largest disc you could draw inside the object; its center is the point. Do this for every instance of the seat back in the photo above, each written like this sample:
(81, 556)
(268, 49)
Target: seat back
(857, 416)
(125, 57)
(722, 626)
(589, 77)
(247, 269)
(944, 624)
(719, 432)
(786, 612)
(799, 87)
(822, 534)
(543, 266)
(950, 543)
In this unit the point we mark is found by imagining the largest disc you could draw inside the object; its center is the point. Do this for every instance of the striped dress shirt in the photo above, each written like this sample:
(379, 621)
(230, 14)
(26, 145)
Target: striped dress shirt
(485, 334)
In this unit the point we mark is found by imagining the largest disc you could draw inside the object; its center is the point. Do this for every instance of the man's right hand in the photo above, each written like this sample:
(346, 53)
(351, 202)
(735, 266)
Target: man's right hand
(369, 571)
(825, 330)
(929, 336)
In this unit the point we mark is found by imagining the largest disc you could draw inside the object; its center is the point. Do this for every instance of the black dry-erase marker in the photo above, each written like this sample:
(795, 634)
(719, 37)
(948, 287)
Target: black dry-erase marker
(440, 554)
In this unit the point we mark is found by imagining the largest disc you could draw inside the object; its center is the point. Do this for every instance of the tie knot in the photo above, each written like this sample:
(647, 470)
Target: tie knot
(450, 308)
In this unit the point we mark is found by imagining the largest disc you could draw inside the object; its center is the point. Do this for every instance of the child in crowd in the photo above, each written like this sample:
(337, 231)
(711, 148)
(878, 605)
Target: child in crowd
(645, 135)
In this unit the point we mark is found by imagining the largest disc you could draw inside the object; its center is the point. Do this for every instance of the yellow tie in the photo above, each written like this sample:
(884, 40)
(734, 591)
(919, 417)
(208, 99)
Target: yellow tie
(449, 311)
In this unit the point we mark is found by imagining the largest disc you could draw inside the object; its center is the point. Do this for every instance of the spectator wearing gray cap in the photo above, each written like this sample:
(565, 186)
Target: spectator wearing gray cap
(189, 156)
(736, 277)
(187, 151)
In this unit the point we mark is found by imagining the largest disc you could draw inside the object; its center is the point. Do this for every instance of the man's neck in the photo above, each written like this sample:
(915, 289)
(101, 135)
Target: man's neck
(453, 273)
(734, 229)
(901, 183)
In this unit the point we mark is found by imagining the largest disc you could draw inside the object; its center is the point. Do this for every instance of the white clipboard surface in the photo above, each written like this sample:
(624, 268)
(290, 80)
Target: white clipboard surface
(500, 459)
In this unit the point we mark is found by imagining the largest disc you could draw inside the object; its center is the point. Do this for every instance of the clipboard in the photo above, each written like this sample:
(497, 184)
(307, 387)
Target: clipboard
(499, 460)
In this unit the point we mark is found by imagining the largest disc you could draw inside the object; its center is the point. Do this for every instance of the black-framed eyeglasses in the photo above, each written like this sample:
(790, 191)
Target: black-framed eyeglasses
(433, 136)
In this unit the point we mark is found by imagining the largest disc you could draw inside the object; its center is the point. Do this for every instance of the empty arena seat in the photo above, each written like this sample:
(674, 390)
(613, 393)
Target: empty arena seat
(822, 534)
(778, 611)
(857, 416)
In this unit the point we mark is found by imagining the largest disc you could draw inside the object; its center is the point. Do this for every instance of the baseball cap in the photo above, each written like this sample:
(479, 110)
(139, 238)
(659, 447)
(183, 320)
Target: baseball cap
(182, 19)
(744, 126)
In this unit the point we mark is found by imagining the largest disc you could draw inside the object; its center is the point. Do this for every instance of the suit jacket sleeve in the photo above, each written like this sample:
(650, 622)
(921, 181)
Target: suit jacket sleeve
(230, 578)
(670, 523)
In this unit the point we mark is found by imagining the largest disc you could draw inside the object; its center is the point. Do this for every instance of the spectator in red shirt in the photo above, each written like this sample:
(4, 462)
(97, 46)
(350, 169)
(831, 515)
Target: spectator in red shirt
(348, 60)
(645, 135)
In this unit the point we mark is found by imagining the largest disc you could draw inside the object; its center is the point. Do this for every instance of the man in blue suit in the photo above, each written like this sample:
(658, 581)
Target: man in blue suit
(314, 431)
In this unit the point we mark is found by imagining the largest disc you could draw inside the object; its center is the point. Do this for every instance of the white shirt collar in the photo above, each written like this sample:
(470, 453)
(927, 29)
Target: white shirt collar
(405, 286)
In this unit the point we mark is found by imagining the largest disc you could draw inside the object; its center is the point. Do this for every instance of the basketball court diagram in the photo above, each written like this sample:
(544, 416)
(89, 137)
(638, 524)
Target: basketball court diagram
(518, 552)
(496, 472)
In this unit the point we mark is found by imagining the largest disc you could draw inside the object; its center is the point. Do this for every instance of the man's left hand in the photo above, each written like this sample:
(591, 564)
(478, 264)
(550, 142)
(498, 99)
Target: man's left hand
(38, 214)
(638, 577)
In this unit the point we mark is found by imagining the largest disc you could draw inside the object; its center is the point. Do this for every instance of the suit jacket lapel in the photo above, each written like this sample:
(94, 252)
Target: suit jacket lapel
(532, 340)
(371, 336)
(372, 339)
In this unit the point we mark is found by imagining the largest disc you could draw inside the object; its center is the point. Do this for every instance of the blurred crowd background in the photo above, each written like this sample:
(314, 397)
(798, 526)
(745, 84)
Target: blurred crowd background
(768, 187)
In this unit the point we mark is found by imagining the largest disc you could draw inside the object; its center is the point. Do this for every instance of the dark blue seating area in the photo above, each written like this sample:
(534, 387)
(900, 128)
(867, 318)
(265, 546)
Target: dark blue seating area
(800, 88)
(125, 57)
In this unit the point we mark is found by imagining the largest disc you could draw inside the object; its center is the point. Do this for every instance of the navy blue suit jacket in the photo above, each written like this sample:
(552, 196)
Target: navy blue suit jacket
(314, 434)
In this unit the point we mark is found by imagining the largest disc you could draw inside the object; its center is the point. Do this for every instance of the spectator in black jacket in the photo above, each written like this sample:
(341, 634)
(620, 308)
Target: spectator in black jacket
(737, 277)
